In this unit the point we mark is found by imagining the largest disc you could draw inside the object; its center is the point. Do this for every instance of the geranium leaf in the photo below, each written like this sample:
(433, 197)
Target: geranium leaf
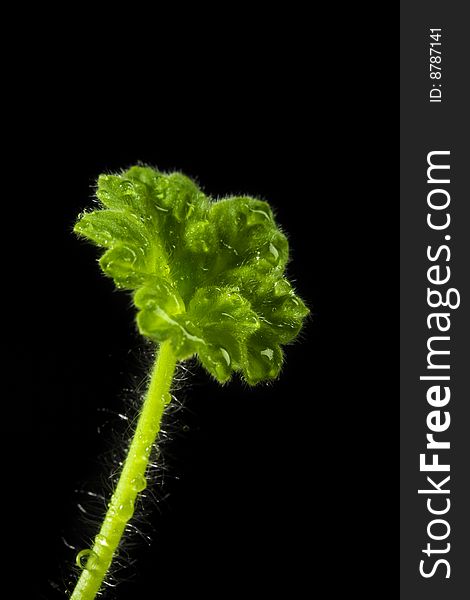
(206, 275)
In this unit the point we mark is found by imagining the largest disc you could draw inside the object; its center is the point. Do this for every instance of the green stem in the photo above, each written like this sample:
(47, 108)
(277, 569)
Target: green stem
(97, 561)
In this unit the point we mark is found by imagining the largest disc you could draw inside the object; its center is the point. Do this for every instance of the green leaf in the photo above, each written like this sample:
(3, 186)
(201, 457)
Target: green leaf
(264, 357)
(206, 275)
(226, 320)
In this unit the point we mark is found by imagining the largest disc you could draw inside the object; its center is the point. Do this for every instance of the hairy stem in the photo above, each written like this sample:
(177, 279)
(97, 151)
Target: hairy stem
(97, 560)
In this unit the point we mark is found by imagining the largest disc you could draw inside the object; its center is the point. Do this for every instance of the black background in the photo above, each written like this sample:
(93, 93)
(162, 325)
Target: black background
(276, 489)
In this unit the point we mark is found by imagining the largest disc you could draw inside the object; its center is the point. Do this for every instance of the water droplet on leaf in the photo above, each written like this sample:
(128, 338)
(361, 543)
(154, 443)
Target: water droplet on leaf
(274, 251)
(226, 356)
(267, 352)
(228, 315)
(126, 187)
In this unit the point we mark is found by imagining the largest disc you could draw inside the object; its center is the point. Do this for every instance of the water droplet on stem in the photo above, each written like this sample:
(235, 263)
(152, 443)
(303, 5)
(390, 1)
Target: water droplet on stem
(139, 483)
(101, 540)
(86, 559)
(125, 510)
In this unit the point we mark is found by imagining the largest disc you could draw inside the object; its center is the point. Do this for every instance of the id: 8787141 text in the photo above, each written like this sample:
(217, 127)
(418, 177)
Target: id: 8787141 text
(435, 65)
